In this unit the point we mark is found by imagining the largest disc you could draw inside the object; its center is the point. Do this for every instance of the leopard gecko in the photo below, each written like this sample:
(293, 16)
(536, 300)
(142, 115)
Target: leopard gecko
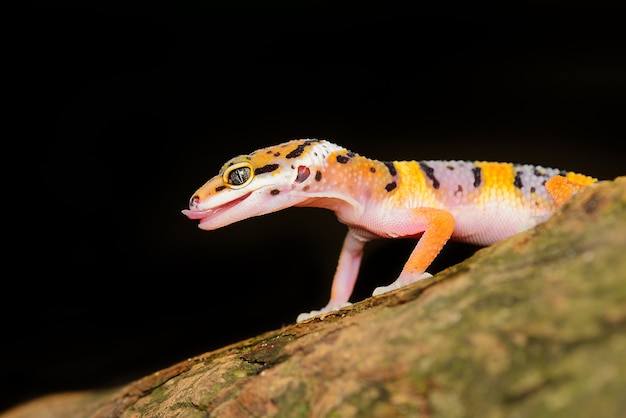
(433, 201)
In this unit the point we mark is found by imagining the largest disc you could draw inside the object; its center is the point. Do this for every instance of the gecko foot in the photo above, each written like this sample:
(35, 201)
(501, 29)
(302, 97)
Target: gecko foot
(398, 284)
(329, 308)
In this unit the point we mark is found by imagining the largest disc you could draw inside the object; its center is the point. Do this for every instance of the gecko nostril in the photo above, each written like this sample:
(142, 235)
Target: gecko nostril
(194, 200)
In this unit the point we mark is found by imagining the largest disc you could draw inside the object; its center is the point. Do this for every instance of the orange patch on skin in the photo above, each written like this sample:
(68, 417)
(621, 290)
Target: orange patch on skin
(497, 182)
(561, 188)
(580, 179)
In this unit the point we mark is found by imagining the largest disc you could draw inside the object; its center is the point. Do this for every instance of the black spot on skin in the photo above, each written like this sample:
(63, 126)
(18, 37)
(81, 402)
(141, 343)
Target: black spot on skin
(274, 192)
(518, 180)
(220, 188)
(532, 189)
(391, 186)
(459, 189)
(303, 173)
(318, 175)
(277, 154)
(372, 169)
(538, 173)
(266, 169)
(449, 167)
(391, 167)
(306, 188)
(477, 176)
(430, 173)
(342, 159)
(299, 149)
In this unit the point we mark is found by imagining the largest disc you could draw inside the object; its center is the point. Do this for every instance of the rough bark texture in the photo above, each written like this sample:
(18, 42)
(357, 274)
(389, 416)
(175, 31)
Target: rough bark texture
(534, 326)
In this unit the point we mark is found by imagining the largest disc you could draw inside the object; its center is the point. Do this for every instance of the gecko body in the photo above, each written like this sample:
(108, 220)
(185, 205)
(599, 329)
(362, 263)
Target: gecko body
(432, 200)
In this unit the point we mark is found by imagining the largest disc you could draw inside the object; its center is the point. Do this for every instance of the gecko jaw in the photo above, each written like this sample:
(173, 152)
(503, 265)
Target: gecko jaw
(206, 215)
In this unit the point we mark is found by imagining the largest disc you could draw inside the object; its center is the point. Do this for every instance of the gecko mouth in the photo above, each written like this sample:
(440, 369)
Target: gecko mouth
(206, 215)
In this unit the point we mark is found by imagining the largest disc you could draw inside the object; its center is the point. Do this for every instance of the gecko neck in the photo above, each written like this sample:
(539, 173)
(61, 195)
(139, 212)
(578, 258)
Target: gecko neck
(348, 183)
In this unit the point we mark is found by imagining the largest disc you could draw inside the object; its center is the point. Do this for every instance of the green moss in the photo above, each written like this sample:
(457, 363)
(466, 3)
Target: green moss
(293, 403)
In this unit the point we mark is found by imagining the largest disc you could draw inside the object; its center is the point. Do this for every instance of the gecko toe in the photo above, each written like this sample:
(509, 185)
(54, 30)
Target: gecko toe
(401, 282)
(306, 315)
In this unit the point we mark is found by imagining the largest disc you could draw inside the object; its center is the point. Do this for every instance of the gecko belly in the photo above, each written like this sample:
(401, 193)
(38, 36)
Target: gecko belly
(491, 224)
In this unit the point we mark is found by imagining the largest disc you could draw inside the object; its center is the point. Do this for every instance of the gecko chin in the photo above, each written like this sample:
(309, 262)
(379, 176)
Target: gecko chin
(207, 215)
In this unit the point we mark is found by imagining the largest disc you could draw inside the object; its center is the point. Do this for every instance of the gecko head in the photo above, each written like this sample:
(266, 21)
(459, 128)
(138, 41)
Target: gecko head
(268, 180)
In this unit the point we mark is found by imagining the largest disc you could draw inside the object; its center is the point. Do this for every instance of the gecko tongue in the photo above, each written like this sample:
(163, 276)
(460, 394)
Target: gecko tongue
(209, 213)
(195, 214)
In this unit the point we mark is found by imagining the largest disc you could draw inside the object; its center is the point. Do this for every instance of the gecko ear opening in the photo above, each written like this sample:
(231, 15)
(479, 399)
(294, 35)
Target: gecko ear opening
(238, 175)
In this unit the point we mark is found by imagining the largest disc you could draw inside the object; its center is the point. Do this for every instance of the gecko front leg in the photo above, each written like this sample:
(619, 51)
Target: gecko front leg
(437, 226)
(345, 275)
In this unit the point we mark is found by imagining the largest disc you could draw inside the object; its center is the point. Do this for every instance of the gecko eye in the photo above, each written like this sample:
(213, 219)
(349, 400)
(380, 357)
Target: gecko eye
(238, 175)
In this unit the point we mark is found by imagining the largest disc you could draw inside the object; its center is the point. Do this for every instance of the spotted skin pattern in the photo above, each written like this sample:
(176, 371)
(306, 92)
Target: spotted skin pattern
(433, 201)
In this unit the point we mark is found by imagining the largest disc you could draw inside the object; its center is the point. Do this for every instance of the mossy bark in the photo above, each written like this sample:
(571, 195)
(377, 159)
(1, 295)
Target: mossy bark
(534, 326)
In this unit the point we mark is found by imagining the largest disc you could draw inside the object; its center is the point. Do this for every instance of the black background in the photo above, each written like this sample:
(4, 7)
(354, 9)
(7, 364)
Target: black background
(131, 106)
